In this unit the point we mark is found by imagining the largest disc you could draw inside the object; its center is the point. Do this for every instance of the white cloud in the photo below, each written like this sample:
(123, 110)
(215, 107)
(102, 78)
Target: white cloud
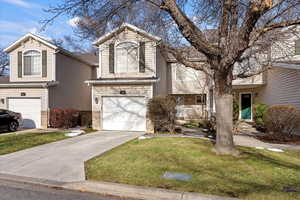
(19, 27)
(21, 3)
(74, 21)
(33, 30)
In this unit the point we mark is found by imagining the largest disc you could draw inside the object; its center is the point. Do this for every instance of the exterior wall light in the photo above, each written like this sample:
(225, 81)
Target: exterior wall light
(2, 100)
(96, 100)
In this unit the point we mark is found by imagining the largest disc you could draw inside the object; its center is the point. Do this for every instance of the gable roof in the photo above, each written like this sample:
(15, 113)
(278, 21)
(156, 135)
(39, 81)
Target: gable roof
(30, 35)
(87, 61)
(110, 34)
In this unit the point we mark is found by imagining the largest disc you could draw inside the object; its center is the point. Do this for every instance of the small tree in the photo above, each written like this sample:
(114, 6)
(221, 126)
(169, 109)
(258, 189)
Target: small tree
(162, 112)
(4, 61)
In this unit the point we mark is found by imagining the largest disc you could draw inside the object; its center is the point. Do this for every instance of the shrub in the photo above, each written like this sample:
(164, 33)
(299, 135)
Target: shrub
(259, 116)
(210, 126)
(162, 112)
(56, 118)
(282, 120)
(63, 118)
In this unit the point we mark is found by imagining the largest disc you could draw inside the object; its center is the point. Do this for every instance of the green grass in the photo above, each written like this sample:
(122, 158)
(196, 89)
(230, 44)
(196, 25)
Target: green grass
(256, 175)
(16, 142)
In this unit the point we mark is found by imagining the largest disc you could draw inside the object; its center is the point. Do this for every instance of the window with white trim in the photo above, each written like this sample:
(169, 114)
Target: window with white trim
(127, 57)
(32, 63)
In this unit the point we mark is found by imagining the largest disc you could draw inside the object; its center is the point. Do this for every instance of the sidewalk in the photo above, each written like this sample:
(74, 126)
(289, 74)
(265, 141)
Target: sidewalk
(116, 189)
(250, 141)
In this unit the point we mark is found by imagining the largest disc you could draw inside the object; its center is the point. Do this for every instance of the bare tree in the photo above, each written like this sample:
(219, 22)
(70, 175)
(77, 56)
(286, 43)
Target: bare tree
(240, 30)
(4, 62)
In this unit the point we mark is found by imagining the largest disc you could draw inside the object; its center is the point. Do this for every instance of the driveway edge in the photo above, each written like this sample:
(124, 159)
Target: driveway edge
(115, 189)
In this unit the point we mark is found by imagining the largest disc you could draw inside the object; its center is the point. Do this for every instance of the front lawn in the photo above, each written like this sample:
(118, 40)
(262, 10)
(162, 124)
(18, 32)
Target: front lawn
(16, 142)
(256, 175)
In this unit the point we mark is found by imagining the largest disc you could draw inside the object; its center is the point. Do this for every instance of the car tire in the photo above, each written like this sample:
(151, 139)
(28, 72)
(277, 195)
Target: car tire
(13, 126)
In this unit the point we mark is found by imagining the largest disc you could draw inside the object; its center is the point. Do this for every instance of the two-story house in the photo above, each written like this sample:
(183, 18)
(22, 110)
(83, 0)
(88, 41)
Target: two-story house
(44, 76)
(130, 69)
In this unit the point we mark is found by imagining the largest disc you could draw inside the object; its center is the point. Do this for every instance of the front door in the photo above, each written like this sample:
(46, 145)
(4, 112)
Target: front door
(246, 110)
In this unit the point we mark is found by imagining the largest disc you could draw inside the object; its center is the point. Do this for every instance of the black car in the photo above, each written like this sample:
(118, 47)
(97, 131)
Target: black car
(10, 120)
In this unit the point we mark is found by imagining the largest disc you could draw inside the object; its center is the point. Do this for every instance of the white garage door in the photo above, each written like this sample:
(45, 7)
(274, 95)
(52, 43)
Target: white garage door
(30, 108)
(124, 113)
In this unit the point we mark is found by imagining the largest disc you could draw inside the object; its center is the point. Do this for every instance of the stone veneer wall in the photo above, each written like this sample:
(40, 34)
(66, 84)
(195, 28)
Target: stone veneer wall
(45, 119)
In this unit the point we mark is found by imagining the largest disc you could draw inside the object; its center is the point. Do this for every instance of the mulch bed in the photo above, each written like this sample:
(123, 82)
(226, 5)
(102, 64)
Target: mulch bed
(293, 140)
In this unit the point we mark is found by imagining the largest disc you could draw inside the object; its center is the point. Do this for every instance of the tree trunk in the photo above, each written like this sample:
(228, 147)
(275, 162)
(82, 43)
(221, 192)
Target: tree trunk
(224, 102)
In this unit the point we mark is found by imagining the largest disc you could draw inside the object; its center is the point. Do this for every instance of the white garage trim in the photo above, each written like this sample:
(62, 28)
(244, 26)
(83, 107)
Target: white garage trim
(123, 113)
(29, 107)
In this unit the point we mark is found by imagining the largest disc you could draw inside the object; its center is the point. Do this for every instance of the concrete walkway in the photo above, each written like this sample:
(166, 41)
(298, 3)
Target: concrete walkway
(62, 160)
(245, 138)
(250, 141)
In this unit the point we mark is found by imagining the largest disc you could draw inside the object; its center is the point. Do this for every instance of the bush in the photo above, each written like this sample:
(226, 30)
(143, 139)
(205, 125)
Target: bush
(63, 118)
(282, 120)
(210, 126)
(259, 116)
(162, 112)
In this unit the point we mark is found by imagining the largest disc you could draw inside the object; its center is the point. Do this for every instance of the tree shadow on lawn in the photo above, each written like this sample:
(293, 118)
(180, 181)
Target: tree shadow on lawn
(253, 174)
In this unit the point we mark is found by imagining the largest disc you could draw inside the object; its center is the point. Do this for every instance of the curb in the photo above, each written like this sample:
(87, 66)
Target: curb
(138, 192)
(32, 181)
(115, 189)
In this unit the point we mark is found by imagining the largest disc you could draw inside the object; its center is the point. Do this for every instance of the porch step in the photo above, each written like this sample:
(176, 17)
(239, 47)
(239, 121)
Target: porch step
(246, 126)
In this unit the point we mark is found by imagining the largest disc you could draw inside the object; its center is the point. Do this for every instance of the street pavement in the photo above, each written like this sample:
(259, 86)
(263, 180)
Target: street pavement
(20, 191)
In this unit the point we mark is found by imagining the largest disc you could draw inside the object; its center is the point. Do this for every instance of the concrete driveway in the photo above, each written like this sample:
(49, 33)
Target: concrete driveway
(62, 160)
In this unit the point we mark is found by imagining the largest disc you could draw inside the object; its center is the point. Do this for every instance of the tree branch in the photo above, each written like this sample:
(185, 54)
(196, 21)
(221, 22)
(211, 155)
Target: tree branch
(189, 30)
(246, 74)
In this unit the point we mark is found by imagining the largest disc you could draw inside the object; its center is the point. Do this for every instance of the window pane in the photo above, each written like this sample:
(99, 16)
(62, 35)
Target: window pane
(27, 65)
(121, 60)
(127, 57)
(132, 60)
(201, 99)
(32, 63)
(36, 69)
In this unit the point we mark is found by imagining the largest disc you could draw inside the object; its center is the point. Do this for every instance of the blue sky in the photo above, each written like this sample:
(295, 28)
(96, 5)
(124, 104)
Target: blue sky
(18, 17)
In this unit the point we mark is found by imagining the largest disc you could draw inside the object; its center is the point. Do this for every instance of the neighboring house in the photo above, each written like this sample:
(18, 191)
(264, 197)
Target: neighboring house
(280, 85)
(130, 69)
(44, 76)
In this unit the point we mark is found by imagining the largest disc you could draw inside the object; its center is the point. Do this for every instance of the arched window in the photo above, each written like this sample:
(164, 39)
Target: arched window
(32, 63)
(127, 57)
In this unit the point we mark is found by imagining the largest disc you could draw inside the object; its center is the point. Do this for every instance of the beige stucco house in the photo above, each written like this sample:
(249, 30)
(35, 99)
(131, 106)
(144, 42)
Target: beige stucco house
(129, 70)
(44, 76)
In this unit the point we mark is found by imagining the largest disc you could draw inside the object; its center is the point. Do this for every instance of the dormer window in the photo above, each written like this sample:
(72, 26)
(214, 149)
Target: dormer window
(297, 47)
(127, 59)
(32, 63)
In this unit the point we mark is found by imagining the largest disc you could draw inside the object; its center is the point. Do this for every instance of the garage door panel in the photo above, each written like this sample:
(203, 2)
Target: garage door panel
(30, 109)
(124, 113)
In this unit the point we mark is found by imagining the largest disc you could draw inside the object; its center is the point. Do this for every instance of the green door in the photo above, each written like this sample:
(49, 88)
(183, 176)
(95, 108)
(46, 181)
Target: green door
(246, 106)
